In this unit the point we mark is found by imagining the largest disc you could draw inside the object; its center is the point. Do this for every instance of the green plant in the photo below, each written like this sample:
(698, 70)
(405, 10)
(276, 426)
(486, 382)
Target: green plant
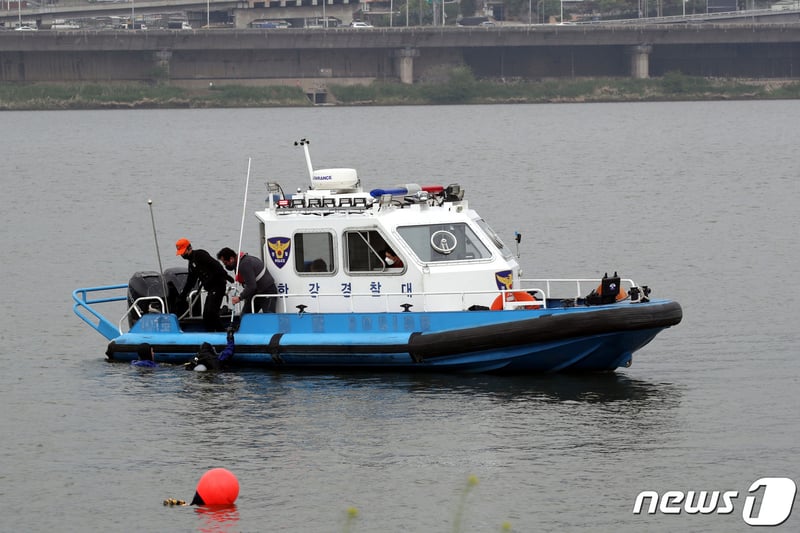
(458, 89)
(158, 74)
(791, 90)
(675, 82)
(472, 481)
(352, 515)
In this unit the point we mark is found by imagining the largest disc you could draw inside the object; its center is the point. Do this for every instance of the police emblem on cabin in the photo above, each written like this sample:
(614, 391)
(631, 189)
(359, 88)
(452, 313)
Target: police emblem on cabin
(279, 249)
(504, 279)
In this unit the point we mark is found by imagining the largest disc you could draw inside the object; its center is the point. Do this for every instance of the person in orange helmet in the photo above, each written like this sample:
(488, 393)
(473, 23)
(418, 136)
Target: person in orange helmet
(213, 278)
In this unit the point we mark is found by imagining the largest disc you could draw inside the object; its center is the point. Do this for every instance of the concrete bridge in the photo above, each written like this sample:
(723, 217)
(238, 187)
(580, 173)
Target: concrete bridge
(343, 55)
(200, 13)
(46, 14)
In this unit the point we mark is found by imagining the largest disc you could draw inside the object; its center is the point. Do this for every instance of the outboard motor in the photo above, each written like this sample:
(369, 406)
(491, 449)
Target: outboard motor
(176, 280)
(142, 285)
(148, 284)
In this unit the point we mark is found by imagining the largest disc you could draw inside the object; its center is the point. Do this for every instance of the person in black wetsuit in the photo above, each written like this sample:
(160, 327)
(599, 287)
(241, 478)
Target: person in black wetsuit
(255, 279)
(212, 277)
(207, 358)
(146, 356)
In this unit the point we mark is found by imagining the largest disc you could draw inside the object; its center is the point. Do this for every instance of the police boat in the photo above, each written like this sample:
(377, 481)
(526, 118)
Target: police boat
(405, 279)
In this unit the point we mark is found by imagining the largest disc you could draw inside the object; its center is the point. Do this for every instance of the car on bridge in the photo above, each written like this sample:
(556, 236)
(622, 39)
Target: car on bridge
(475, 21)
(270, 24)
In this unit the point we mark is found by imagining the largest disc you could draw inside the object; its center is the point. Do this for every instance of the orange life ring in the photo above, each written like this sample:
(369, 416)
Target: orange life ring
(516, 296)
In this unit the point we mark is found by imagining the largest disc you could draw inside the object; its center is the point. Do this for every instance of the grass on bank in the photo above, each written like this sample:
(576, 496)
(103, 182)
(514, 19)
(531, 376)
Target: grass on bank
(449, 86)
(133, 95)
(461, 87)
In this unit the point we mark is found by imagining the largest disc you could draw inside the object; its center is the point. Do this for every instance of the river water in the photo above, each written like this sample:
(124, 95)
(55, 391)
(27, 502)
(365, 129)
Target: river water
(696, 200)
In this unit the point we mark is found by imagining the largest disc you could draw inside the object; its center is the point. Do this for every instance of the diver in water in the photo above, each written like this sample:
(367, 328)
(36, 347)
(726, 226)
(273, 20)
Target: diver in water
(208, 358)
(146, 356)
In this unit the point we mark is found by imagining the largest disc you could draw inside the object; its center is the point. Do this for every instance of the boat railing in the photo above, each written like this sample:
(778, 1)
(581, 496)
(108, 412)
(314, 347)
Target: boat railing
(84, 300)
(542, 289)
(563, 288)
(315, 303)
(137, 309)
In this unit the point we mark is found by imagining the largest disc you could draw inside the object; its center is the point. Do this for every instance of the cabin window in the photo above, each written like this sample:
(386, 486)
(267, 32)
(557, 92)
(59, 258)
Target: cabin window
(365, 251)
(495, 238)
(313, 253)
(434, 243)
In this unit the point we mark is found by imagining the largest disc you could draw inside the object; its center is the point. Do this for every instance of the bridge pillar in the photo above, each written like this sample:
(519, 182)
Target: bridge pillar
(162, 61)
(640, 60)
(404, 64)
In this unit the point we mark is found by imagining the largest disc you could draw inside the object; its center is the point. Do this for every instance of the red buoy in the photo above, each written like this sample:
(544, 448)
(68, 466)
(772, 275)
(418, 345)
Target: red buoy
(218, 486)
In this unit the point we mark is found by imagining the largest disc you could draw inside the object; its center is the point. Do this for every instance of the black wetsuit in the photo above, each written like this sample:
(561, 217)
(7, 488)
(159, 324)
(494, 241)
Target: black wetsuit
(213, 278)
(208, 357)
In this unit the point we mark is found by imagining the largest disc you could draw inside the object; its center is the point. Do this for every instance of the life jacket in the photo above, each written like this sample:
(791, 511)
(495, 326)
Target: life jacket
(238, 276)
(260, 275)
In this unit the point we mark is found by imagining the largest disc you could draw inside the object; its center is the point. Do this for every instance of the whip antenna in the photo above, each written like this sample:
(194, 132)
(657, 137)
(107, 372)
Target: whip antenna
(241, 228)
(158, 255)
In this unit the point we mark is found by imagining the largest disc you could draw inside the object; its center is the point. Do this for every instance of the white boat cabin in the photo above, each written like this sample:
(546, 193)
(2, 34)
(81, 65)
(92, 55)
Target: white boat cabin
(326, 248)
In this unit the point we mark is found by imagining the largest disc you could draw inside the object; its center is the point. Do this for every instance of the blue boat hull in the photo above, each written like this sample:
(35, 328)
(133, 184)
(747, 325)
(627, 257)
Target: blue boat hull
(599, 338)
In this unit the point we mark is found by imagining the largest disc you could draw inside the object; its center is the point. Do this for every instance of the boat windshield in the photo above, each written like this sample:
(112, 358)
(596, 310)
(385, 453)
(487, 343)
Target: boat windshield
(434, 243)
(507, 253)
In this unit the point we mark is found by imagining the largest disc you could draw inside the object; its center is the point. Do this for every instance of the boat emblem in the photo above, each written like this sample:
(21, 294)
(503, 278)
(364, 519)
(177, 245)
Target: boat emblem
(504, 279)
(279, 250)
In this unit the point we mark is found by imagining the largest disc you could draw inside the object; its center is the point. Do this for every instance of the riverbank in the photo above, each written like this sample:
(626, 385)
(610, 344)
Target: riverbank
(456, 87)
